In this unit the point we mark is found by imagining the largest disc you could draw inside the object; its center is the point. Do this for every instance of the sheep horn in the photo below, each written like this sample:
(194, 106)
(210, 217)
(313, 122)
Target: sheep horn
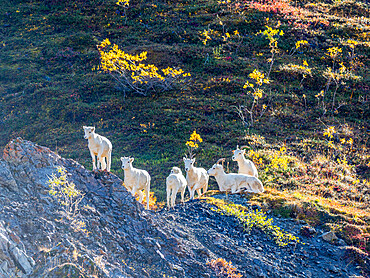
(242, 147)
(221, 160)
(192, 156)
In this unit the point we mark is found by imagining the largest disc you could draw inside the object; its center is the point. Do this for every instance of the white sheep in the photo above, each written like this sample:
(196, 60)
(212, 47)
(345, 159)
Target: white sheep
(234, 182)
(100, 147)
(136, 180)
(175, 182)
(246, 166)
(197, 178)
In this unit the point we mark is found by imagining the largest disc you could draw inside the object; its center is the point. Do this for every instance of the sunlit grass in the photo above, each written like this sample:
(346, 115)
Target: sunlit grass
(254, 219)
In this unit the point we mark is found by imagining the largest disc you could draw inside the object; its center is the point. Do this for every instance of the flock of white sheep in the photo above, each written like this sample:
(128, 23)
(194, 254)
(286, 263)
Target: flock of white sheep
(137, 180)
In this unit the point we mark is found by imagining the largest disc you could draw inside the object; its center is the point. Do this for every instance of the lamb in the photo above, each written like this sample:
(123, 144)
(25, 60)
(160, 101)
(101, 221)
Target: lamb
(136, 180)
(197, 178)
(99, 146)
(175, 182)
(234, 182)
(245, 165)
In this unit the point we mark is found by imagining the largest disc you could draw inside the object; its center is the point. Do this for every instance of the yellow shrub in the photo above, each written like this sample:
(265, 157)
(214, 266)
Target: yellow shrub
(131, 72)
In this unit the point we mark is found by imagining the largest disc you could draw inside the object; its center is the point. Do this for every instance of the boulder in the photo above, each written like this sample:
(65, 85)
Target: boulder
(329, 237)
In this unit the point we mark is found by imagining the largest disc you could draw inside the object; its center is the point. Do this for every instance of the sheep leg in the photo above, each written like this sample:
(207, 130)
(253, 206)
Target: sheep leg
(190, 192)
(199, 191)
(173, 197)
(205, 188)
(134, 190)
(109, 160)
(168, 196)
(141, 196)
(101, 160)
(182, 195)
(147, 193)
(247, 187)
(98, 165)
(93, 160)
(103, 164)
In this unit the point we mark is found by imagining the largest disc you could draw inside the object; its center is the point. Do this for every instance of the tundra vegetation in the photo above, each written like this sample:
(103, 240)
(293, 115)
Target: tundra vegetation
(287, 79)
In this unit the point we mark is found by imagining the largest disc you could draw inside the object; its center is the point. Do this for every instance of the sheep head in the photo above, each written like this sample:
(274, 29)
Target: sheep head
(238, 153)
(176, 170)
(189, 163)
(126, 162)
(216, 168)
(89, 131)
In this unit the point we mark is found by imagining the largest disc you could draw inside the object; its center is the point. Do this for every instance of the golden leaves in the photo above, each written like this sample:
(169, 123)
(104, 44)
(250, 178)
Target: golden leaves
(193, 141)
(329, 131)
(333, 52)
(298, 44)
(132, 70)
(123, 3)
(259, 77)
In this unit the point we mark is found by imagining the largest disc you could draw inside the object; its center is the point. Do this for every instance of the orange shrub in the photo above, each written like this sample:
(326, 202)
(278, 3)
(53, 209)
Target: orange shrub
(224, 269)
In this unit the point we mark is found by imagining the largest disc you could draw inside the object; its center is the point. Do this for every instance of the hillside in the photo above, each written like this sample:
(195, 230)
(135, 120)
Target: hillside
(289, 80)
(112, 235)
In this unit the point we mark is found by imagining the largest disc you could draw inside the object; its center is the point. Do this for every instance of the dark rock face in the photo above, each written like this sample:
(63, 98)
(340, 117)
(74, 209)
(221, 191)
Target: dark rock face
(124, 240)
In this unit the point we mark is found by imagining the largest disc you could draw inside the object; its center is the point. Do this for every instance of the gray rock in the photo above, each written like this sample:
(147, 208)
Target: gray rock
(6, 177)
(333, 269)
(307, 231)
(329, 237)
(341, 242)
(24, 262)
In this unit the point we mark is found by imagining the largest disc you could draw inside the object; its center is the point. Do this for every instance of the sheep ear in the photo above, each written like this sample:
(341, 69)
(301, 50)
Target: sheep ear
(233, 151)
(132, 159)
(184, 159)
(84, 127)
(193, 160)
(121, 158)
(243, 151)
(93, 129)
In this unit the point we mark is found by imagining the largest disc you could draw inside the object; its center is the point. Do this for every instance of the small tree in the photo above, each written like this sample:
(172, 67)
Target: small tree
(192, 143)
(125, 4)
(272, 35)
(130, 71)
(256, 90)
(337, 75)
(68, 197)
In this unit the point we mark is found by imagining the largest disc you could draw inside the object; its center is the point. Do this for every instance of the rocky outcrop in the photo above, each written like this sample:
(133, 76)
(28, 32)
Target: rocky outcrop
(114, 236)
(117, 237)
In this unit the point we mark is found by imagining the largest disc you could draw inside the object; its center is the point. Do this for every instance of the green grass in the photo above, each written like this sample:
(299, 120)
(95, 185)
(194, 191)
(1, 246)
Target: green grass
(49, 91)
